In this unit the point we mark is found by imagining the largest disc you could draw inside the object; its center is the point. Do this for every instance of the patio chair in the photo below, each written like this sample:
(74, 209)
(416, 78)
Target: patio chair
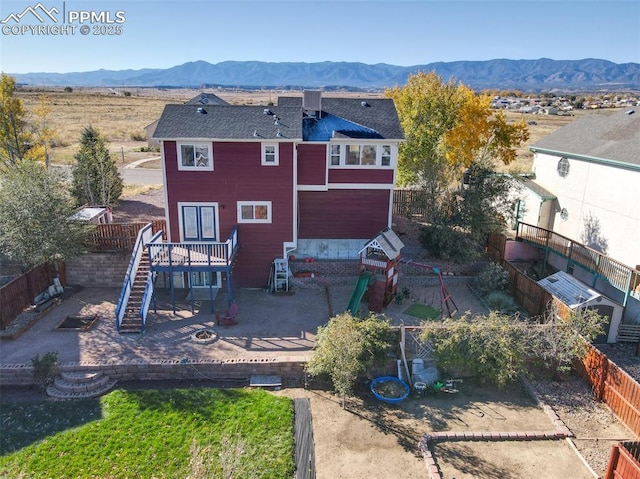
(227, 318)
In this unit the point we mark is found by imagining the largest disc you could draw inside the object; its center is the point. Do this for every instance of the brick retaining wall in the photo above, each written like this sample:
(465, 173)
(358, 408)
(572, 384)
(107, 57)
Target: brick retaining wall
(94, 270)
(239, 368)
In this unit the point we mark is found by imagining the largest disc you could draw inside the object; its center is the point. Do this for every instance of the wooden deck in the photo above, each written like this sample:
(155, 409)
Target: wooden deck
(202, 256)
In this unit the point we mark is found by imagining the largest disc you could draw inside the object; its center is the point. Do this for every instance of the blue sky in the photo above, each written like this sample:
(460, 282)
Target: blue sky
(163, 33)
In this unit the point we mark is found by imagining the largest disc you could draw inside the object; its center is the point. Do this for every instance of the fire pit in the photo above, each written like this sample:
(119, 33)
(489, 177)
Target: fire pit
(204, 336)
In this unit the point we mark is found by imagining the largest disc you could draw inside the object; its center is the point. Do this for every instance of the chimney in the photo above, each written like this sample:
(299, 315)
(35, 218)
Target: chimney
(312, 101)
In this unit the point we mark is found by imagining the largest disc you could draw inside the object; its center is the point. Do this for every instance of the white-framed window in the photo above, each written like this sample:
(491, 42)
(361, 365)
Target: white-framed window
(335, 154)
(195, 156)
(270, 156)
(360, 155)
(254, 211)
(563, 167)
(385, 155)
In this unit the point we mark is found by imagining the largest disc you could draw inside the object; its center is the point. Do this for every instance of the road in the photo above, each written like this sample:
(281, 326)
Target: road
(131, 176)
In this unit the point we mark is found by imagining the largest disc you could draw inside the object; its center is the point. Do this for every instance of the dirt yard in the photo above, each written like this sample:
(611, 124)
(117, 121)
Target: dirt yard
(370, 439)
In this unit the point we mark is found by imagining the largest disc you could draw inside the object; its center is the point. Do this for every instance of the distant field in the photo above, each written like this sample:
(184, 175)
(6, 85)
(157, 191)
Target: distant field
(122, 119)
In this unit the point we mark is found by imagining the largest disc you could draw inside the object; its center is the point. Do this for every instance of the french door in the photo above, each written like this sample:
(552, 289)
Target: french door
(199, 223)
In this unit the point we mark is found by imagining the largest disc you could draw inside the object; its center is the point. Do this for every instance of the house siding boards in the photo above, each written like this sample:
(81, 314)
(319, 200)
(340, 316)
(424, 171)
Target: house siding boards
(348, 214)
(238, 176)
(312, 164)
(364, 176)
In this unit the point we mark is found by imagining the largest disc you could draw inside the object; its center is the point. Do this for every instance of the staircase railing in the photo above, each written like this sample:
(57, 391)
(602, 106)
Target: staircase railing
(143, 237)
(149, 287)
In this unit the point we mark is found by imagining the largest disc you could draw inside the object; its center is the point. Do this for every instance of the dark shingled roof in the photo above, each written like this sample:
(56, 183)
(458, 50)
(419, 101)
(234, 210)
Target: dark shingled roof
(206, 99)
(373, 118)
(608, 136)
(230, 122)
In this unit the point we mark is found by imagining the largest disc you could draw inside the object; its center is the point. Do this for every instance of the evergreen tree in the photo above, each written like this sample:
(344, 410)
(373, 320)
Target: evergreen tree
(96, 179)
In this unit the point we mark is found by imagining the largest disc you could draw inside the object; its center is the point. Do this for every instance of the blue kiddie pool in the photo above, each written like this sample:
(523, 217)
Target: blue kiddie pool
(390, 389)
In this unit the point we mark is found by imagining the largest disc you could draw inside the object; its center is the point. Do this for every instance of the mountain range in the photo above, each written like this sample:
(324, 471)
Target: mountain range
(530, 75)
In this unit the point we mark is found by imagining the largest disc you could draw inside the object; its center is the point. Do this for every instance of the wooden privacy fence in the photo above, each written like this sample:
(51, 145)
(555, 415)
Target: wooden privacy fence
(613, 386)
(527, 293)
(624, 461)
(19, 293)
(411, 203)
(118, 237)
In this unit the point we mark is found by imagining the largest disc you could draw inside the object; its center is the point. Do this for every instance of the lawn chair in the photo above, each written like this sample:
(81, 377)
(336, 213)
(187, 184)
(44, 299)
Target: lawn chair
(227, 318)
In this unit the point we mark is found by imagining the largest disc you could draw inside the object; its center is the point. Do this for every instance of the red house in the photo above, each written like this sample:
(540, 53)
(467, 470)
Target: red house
(246, 185)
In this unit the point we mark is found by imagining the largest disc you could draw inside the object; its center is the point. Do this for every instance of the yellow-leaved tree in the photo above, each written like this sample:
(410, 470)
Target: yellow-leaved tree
(450, 129)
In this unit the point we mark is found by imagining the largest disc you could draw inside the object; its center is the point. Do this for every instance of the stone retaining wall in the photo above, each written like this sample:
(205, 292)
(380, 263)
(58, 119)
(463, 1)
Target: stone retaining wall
(135, 370)
(97, 270)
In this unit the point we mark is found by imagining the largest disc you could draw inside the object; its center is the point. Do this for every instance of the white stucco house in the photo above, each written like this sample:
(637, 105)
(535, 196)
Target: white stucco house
(586, 182)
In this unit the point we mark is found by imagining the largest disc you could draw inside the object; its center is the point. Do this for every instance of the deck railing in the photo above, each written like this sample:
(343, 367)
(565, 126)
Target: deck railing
(184, 256)
(144, 235)
(149, 287)
(620, 276)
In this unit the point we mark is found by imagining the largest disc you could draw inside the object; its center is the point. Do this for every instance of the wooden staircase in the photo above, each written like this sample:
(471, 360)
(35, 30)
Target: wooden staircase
(80, 385)
(132, 321)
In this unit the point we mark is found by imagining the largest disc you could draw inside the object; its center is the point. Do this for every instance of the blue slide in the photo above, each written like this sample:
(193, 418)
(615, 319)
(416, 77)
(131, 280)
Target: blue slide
(358, 293)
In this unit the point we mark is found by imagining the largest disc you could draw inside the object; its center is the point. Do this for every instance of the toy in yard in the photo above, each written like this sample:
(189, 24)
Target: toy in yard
(377, 264)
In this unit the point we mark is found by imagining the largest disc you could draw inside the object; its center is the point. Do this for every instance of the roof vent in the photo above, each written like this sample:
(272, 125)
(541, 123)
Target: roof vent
(630, 112)
(255, 133)
(266, 111)
(276, 121)
(279, 135)
(364, 103)
(201, 110)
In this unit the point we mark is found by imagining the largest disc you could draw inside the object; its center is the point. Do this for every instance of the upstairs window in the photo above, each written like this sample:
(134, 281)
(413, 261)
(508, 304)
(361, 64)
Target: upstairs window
(254, 211)
(360, 155)
(195, 156)
(385, 155)
(334, 154)
(270, 155)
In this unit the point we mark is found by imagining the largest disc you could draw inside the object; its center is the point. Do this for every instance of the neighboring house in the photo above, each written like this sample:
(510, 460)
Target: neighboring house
(310, 176)
(208, 99)
(150, 129)
(586, 181)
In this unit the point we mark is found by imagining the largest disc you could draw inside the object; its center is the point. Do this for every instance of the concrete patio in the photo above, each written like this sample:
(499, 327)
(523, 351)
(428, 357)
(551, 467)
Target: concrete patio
(272, 328)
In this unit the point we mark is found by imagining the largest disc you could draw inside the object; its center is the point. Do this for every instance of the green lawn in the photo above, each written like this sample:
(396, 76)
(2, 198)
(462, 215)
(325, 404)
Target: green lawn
(177, 433)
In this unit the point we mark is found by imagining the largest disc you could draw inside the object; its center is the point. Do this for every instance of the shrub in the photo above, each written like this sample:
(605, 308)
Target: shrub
(138, 136)
(346, 347)
(501, 302)
(45, 369)
(493, 277)
(448, 243)
(126, 93)
(68, 89)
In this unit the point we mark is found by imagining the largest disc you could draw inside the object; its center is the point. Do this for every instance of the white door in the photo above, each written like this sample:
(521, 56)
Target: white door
(199, 223)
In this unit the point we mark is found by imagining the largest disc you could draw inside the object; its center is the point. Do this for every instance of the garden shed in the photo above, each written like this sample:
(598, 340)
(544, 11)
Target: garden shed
(577, 295)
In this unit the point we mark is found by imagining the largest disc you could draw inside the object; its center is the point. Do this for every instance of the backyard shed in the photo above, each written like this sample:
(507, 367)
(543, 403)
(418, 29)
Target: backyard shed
(577, 295)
